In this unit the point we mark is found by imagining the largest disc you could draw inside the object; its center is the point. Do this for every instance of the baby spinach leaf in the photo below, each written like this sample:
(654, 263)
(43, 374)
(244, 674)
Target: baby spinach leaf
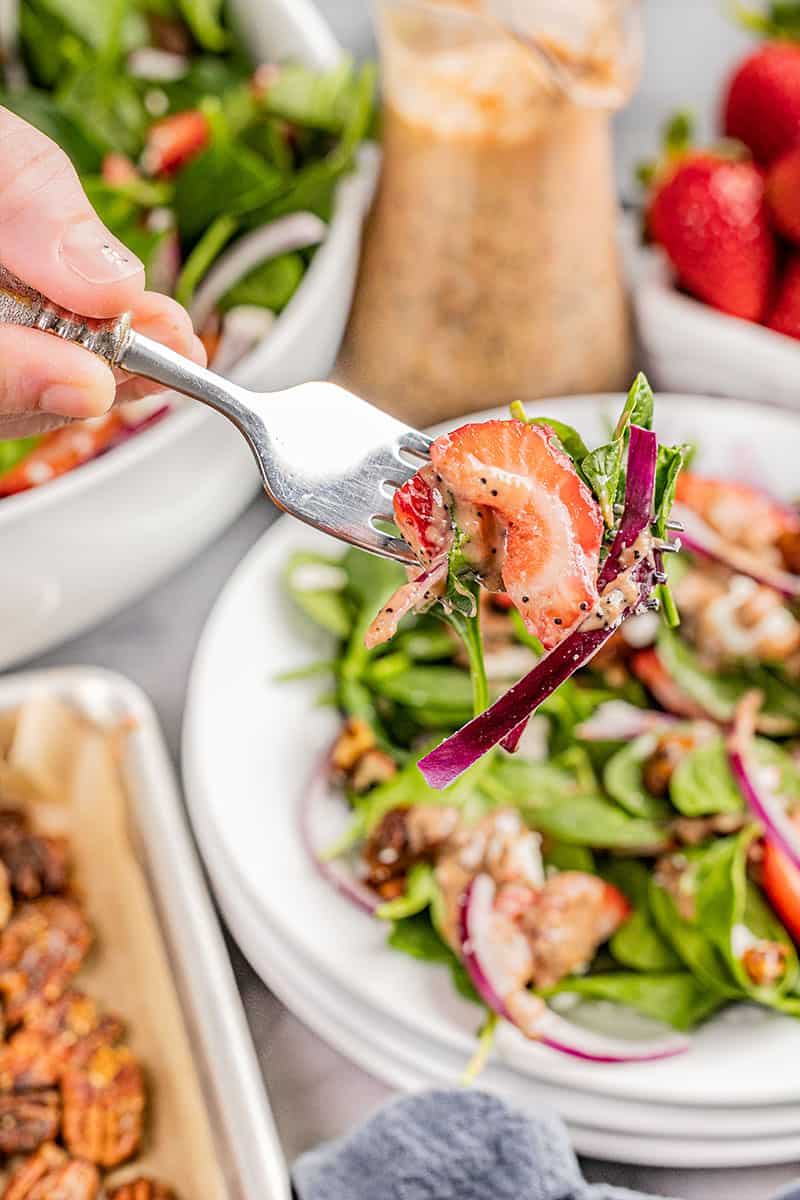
(674, 997)
(623, 778)
(563, 857)
(638, 943)
(435, 688)
(317, 100)
(227, 180)
(593, 821)
(571, 441)
(691, 943)
(326, 605)
(420, 890)
(669, 463)
(204, 18)
(702, 782)
(417, 937)
(270, 285)
(42, 111)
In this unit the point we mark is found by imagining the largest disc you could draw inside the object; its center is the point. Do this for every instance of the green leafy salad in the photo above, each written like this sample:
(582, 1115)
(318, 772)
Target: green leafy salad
(218, 172)
(635, 840)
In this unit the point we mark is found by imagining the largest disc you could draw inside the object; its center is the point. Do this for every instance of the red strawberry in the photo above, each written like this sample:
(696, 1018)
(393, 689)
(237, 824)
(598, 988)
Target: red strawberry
(783, 194)
(554, 524)
(422, 516)
(785, 316)
(118, 170)
(173, 141)
(710, 217)
(762, 105)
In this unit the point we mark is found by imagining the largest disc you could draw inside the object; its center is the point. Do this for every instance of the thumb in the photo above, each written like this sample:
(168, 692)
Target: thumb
(50, 235)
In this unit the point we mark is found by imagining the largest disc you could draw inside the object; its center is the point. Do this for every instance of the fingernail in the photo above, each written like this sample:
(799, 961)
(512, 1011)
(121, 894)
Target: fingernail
(69, 400)
(89, 250)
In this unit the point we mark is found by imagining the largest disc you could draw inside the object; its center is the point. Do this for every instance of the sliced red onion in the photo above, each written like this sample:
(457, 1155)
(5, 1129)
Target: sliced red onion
(243, 328)
(157, 66)
(298, 231)
(323, 819)
(638, 511)
(759, 783)
(409, 597)
(512, 740)
(166, 264)
(699, 538)
(619, 721)
(495, 953)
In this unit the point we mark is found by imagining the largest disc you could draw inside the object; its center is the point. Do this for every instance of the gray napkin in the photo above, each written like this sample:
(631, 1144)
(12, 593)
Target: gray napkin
(460, 1145)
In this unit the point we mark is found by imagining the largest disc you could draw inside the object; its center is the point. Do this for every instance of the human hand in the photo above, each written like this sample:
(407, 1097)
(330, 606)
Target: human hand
(51, 237)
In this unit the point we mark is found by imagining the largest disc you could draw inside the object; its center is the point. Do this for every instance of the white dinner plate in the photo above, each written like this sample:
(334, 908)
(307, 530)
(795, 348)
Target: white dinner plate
(250, 746)
(406, 1063)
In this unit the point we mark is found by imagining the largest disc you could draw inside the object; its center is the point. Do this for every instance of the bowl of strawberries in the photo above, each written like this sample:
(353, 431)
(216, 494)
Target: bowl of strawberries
(717, 280)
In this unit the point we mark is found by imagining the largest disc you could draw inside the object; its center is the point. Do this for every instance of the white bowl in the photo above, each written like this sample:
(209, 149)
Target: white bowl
(78, 549)
(688, 346)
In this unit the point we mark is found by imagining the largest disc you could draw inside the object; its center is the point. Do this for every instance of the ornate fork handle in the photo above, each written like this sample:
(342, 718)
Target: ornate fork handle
(21, 304)
(115, 341)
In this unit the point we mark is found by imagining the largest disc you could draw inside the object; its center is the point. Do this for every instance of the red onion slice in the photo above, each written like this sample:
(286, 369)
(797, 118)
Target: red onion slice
(495, 953)
(323, 819)
(619, 721)
(759, 783)
(700, 539)
(295, 232)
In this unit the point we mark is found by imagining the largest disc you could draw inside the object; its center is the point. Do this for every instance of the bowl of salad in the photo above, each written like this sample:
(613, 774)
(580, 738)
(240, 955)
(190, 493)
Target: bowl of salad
(225, 143)
(534, 793)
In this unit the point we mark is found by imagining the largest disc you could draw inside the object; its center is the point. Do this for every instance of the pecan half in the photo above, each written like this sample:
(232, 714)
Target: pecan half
(41, 948)
(142, 1189)
(103, 1106)
(50, 1174)
(27, 1120)
(36, 866)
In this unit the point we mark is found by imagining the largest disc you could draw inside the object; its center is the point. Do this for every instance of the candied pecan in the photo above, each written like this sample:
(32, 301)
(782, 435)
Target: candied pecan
(789, 546)
(372, 768)
(50, 1174)
(41, 948)
(142, 1188)
(103, 1106)
(388, 854)
(27, 1119)
(765, 962)
(353, 742)
(74, 1013)
(6, 899)
(36, 866)
(659, 768)
(693, 831)
(14, 824)
(27, 1061)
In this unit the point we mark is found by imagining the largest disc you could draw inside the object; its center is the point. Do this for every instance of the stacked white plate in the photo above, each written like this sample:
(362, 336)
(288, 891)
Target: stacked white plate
(249, 750)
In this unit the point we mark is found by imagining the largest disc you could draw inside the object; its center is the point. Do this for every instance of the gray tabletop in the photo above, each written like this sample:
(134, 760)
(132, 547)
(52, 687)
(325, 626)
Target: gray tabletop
(315, 1092)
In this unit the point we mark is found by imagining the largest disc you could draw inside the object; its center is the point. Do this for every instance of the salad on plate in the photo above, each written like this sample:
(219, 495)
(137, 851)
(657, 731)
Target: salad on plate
(219, 173)
(621, 824)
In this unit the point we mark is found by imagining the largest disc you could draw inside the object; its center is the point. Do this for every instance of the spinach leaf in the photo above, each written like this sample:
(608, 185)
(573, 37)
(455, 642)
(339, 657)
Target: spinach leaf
(106, 105)
(571, 441)
(305, 97)
(204, 18)
(623, 778)
(593, 821)
(316, 585)
(719, 692)
(638, 944)
(270, 285)
(562, 857)
(42, 111)
(702, 782)
(669, 463)
(417, 937)
(603, 468)
(213, 241)
(674, 997)
(420, 890)
(226, 180)
(691, 944)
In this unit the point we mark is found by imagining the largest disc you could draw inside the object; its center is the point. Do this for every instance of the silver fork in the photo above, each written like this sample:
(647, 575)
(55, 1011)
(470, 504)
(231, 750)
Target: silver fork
(325, 456)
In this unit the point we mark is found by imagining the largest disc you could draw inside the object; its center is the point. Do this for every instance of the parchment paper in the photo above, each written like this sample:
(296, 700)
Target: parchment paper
(65, 770)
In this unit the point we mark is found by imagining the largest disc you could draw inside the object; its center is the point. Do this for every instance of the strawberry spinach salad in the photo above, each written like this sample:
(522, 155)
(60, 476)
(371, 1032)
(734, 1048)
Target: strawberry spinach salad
(218, 172)
(635, 840)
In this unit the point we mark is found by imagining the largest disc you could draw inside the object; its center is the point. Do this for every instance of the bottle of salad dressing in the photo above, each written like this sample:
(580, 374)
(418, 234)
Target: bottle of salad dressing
(490, 269)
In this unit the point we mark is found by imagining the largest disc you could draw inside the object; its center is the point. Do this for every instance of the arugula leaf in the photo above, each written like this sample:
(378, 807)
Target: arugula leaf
(674, 997)
(623, 778)
(417, 937)
(420, 890)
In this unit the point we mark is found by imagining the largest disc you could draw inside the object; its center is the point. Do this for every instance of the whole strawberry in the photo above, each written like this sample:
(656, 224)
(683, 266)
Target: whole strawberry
(785, 316)
(762, 103)
(710, 217)
(783, 194)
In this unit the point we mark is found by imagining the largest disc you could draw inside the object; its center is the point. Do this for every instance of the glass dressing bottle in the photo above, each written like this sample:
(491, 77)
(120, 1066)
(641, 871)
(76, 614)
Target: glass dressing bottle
(490, 269)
